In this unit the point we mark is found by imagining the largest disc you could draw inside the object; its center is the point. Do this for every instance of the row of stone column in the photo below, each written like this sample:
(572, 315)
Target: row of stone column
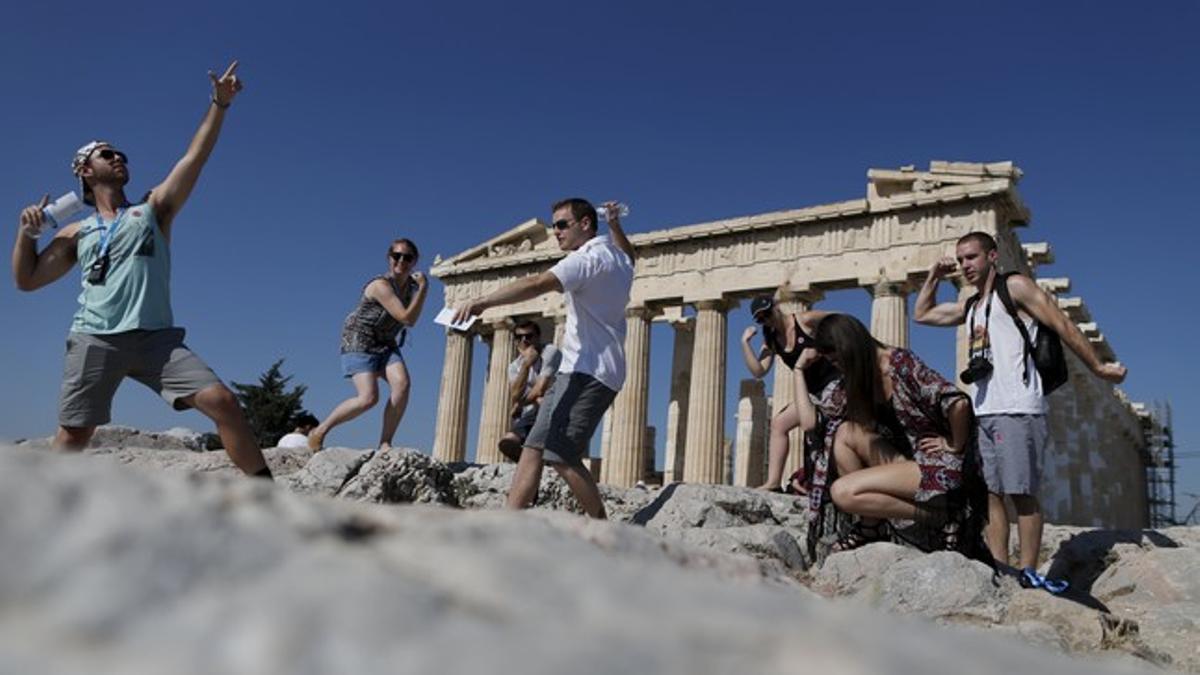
(695, 429)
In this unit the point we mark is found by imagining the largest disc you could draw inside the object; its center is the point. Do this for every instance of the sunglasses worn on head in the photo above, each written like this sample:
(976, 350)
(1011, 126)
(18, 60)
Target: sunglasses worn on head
(397, 256)
(107, 154)
(561, 225)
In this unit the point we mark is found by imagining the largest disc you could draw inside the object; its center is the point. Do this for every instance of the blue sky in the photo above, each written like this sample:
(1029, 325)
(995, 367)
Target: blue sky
(449, 122)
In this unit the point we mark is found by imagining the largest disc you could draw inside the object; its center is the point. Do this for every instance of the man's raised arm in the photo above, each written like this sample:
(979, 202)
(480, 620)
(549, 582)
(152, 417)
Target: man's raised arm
(926, 310)
(169, 196)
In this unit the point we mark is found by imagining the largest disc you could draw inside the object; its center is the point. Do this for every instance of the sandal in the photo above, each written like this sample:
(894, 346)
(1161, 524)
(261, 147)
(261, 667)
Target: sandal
(860, 535)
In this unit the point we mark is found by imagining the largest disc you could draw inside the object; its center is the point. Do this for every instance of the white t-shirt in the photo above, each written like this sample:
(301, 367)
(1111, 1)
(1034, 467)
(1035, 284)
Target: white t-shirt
(293, 440)
(1004, 391)
(596, 279)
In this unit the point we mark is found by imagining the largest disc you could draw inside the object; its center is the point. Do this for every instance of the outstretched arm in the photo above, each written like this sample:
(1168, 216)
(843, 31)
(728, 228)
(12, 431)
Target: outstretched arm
(518, 291)
(32, 270)
(169, 196)
(1043, 307)
(926, 310)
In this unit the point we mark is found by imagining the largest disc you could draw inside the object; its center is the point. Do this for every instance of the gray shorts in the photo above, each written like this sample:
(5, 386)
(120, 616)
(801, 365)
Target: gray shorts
(96, 364)
(1012, 448)
(568, 417)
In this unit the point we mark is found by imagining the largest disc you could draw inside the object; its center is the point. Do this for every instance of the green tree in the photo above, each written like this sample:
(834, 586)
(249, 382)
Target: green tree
(270, 408)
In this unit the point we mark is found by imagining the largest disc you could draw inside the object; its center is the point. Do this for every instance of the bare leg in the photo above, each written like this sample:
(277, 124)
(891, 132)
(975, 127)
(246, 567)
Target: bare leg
(526, 479)
(221, 406)
(1029, 528)
(73, 438)
(393, 410)
(367, 393)
(996, 531)
(884, 491)
(778, 447)
(583, 486)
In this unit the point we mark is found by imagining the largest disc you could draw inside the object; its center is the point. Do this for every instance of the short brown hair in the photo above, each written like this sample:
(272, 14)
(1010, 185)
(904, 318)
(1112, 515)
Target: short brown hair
(985, 240)
(580, 209)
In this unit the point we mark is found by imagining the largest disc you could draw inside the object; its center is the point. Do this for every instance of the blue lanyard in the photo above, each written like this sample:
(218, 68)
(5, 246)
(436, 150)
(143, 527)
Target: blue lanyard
(106, 233)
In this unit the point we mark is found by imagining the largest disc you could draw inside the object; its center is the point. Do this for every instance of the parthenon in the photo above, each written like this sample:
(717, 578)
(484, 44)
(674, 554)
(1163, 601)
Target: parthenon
(691, 276)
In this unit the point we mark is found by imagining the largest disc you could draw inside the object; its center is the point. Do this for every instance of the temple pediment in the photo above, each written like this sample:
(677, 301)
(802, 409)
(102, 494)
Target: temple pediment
(531, 235)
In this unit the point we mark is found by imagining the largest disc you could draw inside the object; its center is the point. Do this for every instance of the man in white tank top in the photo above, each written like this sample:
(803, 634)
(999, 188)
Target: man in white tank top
(1009, 404)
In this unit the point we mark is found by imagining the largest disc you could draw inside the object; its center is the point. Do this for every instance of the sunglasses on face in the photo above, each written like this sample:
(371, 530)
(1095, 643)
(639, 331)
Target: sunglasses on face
(524, 337)
(397, 256)
(761, 318)
(560, 225)
(108, 154)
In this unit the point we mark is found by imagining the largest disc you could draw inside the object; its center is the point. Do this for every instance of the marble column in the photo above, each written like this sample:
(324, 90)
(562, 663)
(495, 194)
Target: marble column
(751, 440)
(677, 409)
(495, 419)
(626, 452)
(706, 409)
(450, 435)
(783, 387)
(889, 313)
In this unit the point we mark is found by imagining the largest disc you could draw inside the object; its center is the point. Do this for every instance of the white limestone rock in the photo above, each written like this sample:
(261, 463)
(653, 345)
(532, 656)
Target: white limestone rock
(234, 575)
(328, 471)
(401, 475)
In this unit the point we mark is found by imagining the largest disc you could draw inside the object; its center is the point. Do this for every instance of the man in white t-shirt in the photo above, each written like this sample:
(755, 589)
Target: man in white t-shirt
(595, 279)
(1005, 386)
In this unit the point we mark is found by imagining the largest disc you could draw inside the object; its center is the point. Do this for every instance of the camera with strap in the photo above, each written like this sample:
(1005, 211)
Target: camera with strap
(1047, 349)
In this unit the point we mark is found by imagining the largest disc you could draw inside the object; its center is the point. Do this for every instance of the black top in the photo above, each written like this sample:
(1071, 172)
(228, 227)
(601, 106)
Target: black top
(818, 374)
(369, 328)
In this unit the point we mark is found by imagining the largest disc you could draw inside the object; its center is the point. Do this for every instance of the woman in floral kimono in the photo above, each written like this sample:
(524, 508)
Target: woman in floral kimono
(901, 439)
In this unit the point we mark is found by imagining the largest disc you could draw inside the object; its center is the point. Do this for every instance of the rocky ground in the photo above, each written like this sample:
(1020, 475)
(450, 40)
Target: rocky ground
(177, 564)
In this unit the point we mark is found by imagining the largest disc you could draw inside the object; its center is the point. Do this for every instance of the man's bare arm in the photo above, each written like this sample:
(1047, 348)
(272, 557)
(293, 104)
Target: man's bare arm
(518, 291)
(926, 310)
(170, 195)
(1042, 306)
(31, 269)
(618, 234)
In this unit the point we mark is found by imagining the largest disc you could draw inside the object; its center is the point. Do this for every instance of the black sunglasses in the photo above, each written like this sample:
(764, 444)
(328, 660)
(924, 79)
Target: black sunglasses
(762, 317)
(524, 337)
(402, 255)
(107, 154)
(561, 225)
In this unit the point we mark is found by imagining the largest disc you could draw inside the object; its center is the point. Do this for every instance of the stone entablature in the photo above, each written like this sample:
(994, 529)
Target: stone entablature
(883, 243)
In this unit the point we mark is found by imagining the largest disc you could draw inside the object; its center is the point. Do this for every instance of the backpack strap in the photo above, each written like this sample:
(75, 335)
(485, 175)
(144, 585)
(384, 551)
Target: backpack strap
(1006, 298)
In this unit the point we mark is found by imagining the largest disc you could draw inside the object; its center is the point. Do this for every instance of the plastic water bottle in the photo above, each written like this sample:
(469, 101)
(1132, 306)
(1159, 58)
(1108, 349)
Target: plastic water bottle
(63, 209)
(621, 209)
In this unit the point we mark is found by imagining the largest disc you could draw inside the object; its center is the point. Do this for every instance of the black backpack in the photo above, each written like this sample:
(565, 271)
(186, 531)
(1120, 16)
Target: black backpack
(1047, 350)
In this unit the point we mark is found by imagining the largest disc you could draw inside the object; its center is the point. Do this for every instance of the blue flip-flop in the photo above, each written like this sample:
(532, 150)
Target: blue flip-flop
(1029, 578)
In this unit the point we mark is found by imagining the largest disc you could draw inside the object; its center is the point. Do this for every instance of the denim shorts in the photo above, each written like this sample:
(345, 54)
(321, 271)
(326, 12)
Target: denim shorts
(354, 363)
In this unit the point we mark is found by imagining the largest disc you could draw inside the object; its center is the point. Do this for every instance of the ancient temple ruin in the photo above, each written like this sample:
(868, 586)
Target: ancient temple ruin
(691, 276)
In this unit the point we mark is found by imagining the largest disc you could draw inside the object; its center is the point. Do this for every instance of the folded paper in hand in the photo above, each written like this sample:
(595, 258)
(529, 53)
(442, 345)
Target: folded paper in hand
(446, 318)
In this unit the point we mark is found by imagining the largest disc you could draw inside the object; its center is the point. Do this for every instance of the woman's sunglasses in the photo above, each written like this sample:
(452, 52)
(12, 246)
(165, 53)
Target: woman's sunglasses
(397, 256)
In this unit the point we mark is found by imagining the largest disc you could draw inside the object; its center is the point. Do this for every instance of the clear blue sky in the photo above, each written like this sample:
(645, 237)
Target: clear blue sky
(449, 122)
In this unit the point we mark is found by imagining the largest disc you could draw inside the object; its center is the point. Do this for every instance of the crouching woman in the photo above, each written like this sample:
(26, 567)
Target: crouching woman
(902, 444)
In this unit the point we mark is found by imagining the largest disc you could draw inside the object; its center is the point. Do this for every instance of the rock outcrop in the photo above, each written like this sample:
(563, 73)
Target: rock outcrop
(1134, 597)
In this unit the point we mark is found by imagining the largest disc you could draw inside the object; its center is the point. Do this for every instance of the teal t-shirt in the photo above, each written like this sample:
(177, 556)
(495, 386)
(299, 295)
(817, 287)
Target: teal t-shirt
(136, 292)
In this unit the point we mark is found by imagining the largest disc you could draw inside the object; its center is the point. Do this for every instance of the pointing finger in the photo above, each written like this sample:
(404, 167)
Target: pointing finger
(45, 200)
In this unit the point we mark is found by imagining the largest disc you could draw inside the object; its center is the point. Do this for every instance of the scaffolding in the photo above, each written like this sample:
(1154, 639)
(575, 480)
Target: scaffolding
(1160, 464)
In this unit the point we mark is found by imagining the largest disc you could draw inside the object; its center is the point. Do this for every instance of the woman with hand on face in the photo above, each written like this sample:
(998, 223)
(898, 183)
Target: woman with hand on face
(902, 442)
(785, 336)
(371, 339)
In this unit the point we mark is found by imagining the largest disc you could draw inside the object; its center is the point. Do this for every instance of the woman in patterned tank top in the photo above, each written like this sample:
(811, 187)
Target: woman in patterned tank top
(370, 350)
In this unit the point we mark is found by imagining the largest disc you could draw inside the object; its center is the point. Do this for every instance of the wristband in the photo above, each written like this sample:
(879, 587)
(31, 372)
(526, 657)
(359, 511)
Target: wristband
(218, 104)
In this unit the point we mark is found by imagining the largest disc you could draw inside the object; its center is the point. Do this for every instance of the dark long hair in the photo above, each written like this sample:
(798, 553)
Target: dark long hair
(845, 338)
